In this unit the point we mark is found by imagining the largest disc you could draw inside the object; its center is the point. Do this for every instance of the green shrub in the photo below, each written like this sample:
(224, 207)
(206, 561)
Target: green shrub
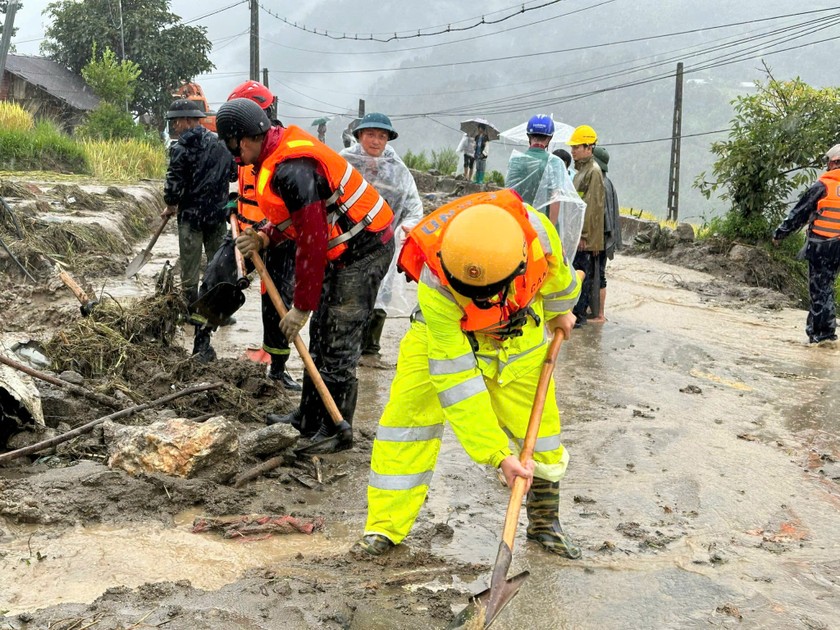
(734, 226)
(496, 177)
(445, 161)
(44, 148)
(417, 161)
(109, 122)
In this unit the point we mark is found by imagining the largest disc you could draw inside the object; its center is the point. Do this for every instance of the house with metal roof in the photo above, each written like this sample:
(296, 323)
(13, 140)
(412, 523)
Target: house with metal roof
(47, 90)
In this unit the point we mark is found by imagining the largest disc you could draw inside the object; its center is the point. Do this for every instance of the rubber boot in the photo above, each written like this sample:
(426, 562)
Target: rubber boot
(373, 545)
(345, 396)
(277, 371)
(373, 332)
(306, 417)
(542, 505)
(202, 350)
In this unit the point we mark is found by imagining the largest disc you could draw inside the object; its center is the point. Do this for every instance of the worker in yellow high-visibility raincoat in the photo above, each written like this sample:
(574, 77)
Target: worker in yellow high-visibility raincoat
(492, 281)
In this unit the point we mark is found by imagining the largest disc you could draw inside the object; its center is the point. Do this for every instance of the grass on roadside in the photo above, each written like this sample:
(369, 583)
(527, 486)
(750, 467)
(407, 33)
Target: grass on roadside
(124, 160)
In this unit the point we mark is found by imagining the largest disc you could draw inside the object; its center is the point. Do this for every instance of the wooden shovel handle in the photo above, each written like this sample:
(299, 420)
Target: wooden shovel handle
(518, 490)
(71, 284)
(240, 261)
(308, 363)
(157, 233)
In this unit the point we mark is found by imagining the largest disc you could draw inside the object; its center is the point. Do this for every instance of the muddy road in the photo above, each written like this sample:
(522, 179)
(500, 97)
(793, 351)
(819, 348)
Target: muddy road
(704, 488)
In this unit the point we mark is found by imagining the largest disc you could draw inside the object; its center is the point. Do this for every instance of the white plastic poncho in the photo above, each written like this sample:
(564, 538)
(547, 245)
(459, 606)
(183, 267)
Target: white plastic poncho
(390, 176)
(551, 191)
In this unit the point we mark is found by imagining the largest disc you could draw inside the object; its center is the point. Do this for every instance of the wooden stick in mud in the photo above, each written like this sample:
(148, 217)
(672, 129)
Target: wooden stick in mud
(105, 401)
(34, 448)
(256, 471)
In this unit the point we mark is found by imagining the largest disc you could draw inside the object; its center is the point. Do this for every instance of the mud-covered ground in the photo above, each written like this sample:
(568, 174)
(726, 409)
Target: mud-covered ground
(703, 487)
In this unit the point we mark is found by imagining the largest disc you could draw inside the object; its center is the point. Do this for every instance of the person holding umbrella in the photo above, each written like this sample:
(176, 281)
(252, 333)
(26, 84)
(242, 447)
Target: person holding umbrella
(482, 132)
(321, 124)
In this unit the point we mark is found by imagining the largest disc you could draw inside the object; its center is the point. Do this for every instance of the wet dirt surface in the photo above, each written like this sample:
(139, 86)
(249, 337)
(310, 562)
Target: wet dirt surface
(704, 488)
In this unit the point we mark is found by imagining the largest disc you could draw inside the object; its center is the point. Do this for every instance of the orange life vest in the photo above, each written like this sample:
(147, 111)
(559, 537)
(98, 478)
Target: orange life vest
(248, 212)
(422, 246)
(827, 220)
(354, 205)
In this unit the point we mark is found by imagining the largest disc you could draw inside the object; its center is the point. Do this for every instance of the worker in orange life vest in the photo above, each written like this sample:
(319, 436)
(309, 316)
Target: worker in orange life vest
(472, 357)
(344, 243)
(819, 207)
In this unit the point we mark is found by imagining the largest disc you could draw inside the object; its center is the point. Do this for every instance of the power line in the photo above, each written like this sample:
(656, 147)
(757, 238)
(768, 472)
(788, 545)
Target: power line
(216, 12)
(442, 29)
(439, 44)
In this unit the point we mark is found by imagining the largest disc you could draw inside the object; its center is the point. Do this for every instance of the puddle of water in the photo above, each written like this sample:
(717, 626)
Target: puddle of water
(79, 564)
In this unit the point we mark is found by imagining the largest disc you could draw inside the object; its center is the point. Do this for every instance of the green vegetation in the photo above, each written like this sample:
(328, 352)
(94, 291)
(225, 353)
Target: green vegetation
(776, 144)
(417, 161)
(126, 160)
(496, 177)
(168, 51)
(114, 82)
(445, 161)
(44, 148)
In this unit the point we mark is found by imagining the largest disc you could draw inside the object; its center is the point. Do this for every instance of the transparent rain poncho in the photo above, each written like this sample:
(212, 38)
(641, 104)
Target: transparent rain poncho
(549, 190)
(390, 176)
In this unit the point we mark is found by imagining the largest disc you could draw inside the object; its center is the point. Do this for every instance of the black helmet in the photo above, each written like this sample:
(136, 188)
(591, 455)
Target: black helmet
(241, 118)
(184, 108)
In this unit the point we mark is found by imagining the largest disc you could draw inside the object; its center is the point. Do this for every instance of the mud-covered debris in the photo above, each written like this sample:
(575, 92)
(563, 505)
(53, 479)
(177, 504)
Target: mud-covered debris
(691, 389)
(256, 527)
(731, 610)
(178, 447)
(269, 440)
(583, 499)
(20, 403)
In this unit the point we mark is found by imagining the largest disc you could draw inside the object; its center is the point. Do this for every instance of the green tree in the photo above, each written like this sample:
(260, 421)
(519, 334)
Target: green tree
(111, 80)
(167, 51)
(776, 141)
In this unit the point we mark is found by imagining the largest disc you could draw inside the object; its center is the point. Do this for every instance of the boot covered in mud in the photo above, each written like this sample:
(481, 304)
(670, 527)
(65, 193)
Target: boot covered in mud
(277, 372)
(305, 416)
(542, 505)
(202, 350)
(345, 396)
(372, 545)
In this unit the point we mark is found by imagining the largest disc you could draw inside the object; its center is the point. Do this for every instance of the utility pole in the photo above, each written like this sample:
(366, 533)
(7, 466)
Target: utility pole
(265, 77)
(255, 40)
(676, 135)
(361, 108)
(6, 41)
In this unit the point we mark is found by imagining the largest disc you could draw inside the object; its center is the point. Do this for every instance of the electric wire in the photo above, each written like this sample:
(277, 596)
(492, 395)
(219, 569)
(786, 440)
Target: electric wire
(216, 12)
(442, 28)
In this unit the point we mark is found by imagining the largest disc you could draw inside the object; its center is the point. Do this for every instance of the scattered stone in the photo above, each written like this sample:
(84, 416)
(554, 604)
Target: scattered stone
(731, 610)
(691, 389)
(269, 440)
(581, 499)
(179, 447)
(684, 233)
(740, 253)
(72, 377)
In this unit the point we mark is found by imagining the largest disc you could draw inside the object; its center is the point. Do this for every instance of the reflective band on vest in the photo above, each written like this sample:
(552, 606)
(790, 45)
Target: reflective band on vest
(420, 261)
(352, 207)
(826, 221)
(248, 213)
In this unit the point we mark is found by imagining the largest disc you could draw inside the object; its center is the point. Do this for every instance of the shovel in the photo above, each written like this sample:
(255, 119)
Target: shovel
(146, 255)
(87, 304)
(491, 601)
(224, 298)
(344, 438)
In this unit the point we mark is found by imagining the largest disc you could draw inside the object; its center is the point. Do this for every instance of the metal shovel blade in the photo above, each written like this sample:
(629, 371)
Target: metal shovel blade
(478, 606)
(138, 263)
(219, 303)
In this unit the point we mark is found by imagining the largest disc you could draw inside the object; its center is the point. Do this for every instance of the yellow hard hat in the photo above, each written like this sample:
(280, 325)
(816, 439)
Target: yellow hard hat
(583, 135)
(482, 249)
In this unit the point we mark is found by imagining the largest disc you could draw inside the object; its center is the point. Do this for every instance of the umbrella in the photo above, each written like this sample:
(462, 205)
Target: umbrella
(319, 121)
(470, 127)
(518, 135)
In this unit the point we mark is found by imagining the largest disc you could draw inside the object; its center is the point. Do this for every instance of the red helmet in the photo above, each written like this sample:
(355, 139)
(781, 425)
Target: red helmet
(254, 91)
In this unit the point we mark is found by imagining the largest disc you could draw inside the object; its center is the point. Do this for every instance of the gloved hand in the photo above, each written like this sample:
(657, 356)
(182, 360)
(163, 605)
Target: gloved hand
(232, 205)
(292, 323)
(250, 242)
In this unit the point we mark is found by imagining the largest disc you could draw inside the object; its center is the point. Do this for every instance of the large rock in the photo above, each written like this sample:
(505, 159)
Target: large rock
(684, 233)
(269, 440)
(177, 447)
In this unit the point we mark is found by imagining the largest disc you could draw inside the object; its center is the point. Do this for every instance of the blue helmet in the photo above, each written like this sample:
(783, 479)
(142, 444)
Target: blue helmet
(540, 125)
